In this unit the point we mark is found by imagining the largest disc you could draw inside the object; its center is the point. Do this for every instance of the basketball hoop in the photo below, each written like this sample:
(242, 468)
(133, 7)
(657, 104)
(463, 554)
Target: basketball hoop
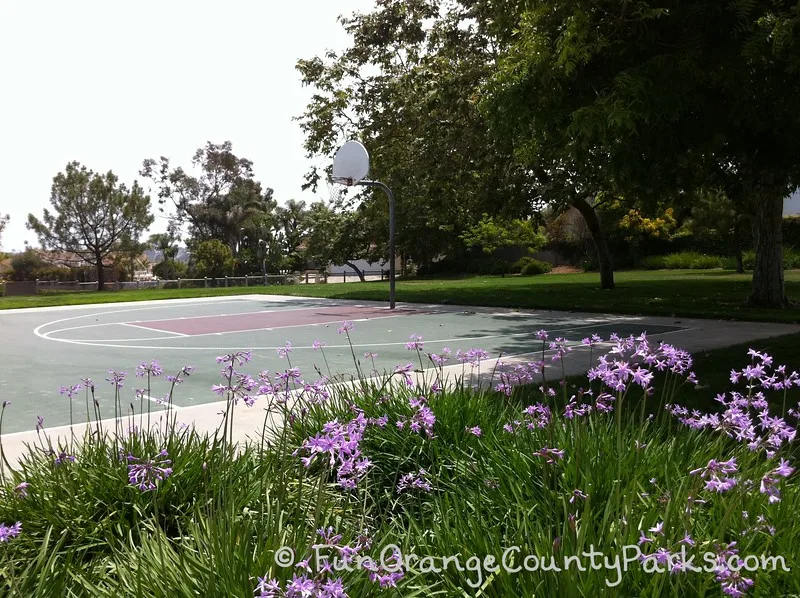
(350, 164)
(350, 167)
(346, 181)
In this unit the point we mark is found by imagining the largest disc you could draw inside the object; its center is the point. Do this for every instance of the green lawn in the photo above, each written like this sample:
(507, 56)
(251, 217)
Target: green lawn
(688, 293)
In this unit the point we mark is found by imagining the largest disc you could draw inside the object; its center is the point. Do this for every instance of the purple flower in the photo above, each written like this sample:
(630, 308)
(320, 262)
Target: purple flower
(151, 369)
(550, 454)
(268, 588)
(346, 327)
(769, 483)
(560, 348)
(339, 445)
(715, 474)
(577, 494)
(415, 344)
(22, 489)
(116, 378)
(301, 586)
(405, 372)
(439, 359)
(414, 481)
(63, 457)
(240, 358)
(10, 531)
(475, 430)
(144, 473)
(592, 341)
(284, 351)
(423, 418)
(317, 345)
(70, 391)
(370, 355)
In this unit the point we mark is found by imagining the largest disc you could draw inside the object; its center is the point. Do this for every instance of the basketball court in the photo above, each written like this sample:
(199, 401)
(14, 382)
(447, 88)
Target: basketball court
(43, 349)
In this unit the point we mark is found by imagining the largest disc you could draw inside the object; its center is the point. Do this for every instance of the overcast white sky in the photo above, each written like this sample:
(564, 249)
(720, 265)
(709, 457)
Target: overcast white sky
(111, 83)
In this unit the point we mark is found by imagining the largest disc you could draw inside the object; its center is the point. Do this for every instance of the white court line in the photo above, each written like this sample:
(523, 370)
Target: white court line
(220, 333)
(38, 332)
(148, 328)
(249, 313)
(552, 332)
(160, 403)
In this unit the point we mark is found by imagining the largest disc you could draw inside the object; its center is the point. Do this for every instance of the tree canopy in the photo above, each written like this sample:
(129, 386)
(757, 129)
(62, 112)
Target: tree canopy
(407, 87)
(660, 101)
(92, 215)
(219, 198)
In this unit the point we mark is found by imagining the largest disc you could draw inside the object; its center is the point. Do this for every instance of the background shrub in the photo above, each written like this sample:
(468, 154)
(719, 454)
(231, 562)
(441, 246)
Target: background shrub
(791, 259)
(653, 262)
(529, 266)
(692, 260)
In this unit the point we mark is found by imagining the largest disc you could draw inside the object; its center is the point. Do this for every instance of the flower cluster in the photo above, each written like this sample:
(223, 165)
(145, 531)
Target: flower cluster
(746, 417)
(769, 483)
(633, 361)
(521, 373)
(116, 378)
(144, 473)
(441, 358)
(715, 474)
(341, 444)
(549, 454)
(414, 481)
(473, 357)
(10, 531)
(423, 418)
(415, 343)
(184, 371)
(145, 369)
(534, 416)
(405, 372)
(237, 386)
(70, 391)
(321, 583)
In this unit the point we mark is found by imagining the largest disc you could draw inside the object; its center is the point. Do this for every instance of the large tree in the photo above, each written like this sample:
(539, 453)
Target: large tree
(291, 222)
(342, 237)
(218, 197)
(92, 215)
(166, 243)
(661, 101)
(407, 87)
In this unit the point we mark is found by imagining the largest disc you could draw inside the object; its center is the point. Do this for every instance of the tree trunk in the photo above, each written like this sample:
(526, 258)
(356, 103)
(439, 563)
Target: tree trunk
(737, 245)
(739, 261)
(600, 245)
(768, 285)
(359, 272)
(101, 275)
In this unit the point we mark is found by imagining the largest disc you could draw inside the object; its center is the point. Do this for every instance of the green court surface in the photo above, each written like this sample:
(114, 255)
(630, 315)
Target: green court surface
(46, 348)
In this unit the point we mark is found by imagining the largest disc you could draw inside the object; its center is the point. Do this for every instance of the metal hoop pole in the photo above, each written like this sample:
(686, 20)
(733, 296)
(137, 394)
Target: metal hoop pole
(390, 195)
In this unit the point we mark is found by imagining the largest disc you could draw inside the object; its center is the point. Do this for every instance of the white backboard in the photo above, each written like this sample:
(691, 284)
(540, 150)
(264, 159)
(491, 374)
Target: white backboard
(351, 163)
